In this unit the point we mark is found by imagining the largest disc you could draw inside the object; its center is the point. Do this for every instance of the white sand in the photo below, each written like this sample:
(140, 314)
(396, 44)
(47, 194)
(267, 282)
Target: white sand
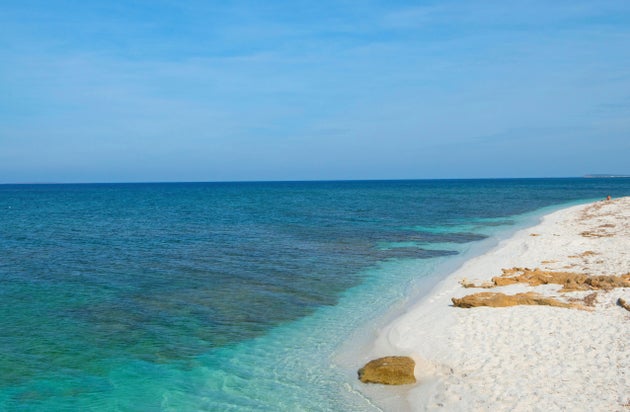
(525, 358)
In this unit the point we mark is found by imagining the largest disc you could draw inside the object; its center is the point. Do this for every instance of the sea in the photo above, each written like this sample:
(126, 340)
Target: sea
(231, 296)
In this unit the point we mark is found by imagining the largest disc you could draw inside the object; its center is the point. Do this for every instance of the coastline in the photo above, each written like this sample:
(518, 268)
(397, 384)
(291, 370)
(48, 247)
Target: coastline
(522, 357)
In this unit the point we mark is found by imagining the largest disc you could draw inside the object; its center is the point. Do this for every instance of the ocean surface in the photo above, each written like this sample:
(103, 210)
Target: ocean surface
(228, 296)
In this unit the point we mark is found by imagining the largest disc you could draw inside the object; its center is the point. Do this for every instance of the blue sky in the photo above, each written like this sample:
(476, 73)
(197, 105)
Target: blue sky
(236, 90)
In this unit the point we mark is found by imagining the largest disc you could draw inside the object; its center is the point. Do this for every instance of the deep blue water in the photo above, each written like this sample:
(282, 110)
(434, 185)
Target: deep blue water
(224, 296)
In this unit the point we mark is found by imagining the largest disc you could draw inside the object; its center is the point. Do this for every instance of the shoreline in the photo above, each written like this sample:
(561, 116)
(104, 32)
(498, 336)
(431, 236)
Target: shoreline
(359, 347)
(522, 357)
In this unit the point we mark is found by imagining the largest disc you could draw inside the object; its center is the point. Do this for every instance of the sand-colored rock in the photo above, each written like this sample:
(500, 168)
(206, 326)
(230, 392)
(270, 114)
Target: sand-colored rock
(570, 281)
(390, 370)
(621, 302)
(590, 299)
(499, 300)
(585, 254)
(592, 233)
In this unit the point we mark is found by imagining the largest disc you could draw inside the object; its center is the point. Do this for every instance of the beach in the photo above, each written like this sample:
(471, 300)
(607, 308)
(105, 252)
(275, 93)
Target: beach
(525, 357)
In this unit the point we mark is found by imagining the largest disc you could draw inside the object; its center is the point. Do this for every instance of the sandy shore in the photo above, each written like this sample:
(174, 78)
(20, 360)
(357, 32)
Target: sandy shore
(525, 358)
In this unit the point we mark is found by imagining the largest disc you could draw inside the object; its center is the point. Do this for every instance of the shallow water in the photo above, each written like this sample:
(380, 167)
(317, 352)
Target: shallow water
(225, 296)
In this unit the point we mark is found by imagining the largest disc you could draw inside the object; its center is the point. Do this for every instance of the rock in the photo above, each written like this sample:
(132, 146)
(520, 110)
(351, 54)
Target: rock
(499, 300)
(623, 304)
(390, 370)
(570, 281)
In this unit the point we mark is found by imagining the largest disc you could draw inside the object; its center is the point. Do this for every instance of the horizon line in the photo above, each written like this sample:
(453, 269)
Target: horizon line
(588, 176)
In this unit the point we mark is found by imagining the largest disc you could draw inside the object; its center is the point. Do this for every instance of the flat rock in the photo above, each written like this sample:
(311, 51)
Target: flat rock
(390, 370)
(499, 300)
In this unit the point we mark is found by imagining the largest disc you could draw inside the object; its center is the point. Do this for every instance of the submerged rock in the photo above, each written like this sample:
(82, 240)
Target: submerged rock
(390, 370)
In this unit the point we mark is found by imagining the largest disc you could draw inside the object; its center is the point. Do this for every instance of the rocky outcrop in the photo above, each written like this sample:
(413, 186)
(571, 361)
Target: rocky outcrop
(570, 281)
(499, 300)
(390, 370)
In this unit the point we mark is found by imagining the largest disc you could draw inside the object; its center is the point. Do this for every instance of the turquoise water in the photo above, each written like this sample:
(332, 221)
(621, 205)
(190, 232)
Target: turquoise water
(226, 296)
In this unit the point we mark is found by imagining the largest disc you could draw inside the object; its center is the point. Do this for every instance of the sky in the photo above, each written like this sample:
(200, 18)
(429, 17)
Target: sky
(166, 90)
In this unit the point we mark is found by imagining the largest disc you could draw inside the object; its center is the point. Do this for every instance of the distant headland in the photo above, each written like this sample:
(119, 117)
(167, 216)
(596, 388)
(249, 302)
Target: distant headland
(599, 176)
